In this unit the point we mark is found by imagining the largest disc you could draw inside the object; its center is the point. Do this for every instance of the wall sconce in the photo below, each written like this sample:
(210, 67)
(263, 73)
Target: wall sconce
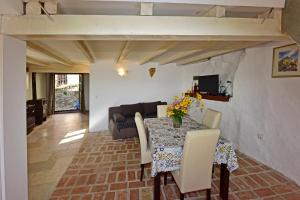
(122, 72)
(152, 71)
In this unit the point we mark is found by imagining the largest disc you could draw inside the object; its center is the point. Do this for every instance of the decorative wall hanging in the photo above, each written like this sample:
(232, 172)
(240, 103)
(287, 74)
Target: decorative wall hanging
(286, 61)
(152, 71)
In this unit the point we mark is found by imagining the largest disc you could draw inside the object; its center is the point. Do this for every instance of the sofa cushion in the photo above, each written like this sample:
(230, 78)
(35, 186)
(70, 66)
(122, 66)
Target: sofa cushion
(151, 107)
(128, 123)
(130, 110)
(118, 117)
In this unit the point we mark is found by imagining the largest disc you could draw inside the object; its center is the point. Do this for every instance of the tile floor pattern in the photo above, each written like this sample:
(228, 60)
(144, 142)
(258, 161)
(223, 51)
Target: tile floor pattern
(107, 169)
(47, 158)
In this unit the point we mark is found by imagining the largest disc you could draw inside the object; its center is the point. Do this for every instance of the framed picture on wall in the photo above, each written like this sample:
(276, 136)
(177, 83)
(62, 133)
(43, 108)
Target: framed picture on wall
(286, 62)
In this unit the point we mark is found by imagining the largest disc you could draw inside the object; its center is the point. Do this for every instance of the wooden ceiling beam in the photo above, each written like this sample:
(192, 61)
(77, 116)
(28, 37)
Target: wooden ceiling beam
(174, 28)
(58, 68)
(216, 11)
(43, 49)
(85, 50)
(123, 53)
(146, 9)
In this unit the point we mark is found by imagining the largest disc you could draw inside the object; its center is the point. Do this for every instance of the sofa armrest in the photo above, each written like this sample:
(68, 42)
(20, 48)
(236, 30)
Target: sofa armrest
(117, 117)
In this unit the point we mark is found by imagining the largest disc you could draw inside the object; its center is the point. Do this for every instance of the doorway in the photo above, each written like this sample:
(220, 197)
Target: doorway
(67, 93)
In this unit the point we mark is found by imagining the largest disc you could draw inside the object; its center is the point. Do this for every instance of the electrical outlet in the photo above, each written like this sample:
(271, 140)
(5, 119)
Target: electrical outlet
(260, 136)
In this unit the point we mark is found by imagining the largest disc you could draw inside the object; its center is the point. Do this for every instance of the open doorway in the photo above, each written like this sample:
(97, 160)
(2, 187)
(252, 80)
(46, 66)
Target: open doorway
(67, 92)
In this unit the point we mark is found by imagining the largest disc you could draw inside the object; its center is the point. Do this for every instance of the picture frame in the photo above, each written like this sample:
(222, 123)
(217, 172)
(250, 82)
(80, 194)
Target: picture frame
(286, 61)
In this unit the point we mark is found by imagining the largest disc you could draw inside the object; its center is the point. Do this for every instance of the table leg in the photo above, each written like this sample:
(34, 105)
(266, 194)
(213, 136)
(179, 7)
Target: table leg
(224, 182)
(156, 189)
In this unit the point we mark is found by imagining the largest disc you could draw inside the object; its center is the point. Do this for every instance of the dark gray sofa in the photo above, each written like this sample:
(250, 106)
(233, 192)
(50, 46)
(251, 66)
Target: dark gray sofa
(121, 118)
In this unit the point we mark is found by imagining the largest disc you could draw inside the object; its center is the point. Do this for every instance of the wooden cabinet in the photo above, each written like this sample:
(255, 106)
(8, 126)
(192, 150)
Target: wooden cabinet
(36, 113)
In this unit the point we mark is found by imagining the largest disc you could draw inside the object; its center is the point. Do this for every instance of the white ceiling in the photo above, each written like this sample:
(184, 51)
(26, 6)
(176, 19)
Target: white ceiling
(160, 52)
(159, 9)
(138, 51)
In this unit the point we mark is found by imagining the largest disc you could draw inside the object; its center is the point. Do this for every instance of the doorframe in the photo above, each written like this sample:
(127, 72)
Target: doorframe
(79, 96)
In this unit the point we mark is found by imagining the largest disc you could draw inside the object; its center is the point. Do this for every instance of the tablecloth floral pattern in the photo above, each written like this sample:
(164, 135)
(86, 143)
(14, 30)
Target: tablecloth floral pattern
(166, 144)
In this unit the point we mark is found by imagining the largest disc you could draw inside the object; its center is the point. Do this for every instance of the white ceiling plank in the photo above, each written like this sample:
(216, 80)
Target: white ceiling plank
(161, 51)
(99, 27)
(36, 61)
(86, 50)
(49, 52)
(216, 51)
(181, 56)
(209, 55)
(252, 3)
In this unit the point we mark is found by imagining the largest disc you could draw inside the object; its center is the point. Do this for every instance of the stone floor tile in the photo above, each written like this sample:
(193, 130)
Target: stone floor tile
(98, 167)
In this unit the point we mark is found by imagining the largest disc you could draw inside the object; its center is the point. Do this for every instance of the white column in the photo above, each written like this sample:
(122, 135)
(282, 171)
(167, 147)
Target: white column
(2, 188)
(13, 151)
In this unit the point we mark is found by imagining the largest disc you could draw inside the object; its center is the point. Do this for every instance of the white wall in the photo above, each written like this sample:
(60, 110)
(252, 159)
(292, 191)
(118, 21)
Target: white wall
(262, 105)
(108, 89)
(40, 85)
(13, 137)
(28, 86)
(2, 185)
(86, 85)
(11, 7)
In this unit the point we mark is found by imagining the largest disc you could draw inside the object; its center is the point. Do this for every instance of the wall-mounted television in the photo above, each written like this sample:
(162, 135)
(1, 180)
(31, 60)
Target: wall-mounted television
(208, 84)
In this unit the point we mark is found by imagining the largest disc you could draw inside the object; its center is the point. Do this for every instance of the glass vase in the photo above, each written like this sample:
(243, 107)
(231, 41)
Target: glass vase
(177, 122)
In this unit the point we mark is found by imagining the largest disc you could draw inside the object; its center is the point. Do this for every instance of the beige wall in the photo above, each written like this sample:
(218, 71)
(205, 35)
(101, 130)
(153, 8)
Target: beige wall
(28, 86)
(262, 117)
(13, 137)
(2, 185)
(40, 85)
(11, 7)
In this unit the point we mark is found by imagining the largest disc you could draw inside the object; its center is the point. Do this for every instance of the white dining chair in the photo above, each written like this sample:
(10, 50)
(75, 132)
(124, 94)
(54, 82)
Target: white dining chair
(162, 111)
(196, 166)
(212, 118)
(145, 151)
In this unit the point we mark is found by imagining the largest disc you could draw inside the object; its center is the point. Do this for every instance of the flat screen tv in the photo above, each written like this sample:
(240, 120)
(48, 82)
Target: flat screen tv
(208, 84)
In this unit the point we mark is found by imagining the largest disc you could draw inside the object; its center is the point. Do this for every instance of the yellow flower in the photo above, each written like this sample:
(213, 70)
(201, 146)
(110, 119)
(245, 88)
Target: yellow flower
(176, 97)
(199, 97)
(177, 107)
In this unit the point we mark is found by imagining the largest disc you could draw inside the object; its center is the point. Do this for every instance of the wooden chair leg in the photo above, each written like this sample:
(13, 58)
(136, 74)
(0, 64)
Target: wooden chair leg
(166, 178)
(181, 196)
(208, 194)
(142, 171)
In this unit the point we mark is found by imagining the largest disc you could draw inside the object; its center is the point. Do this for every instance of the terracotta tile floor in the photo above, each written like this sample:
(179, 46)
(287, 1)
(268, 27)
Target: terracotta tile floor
(107, 169)
(51, 150)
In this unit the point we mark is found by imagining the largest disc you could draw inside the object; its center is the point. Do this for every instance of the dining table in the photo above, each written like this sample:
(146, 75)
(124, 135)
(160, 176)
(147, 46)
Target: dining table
(166, 144)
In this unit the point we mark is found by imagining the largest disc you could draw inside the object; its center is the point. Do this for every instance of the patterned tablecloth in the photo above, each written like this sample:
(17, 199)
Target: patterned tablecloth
(166, 144)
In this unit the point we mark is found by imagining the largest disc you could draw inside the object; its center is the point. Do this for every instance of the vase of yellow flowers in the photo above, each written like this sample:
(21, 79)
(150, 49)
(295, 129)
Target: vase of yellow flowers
(179, 108)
